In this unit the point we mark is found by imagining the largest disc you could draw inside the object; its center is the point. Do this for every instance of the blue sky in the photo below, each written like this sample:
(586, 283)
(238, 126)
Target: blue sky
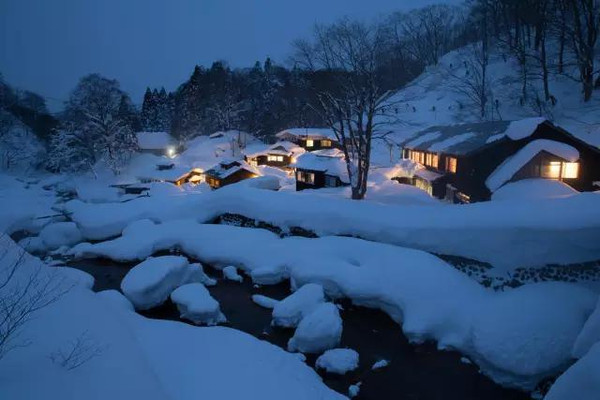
(47, 45)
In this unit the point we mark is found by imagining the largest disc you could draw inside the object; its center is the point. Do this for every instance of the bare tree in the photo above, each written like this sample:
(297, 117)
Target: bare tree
(355, 106)
(77, 352)
(24, 290)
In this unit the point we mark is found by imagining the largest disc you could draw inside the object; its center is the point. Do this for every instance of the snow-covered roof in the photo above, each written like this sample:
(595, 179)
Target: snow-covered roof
(513, 164)
(466, 138)
(283, 148)
(170, 175)
(307, 133)
(154, 140)
(228, 167)
(428, 175)
(329, 164)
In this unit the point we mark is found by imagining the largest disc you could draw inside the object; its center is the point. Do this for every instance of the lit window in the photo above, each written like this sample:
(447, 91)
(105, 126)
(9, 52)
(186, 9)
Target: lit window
(422, 157)
(280, 158)
(428, 159)
(435, 160)
(325, 143)
(551, 170)
(570, 170)
(310, 143)
(306, 177)
(451, 164)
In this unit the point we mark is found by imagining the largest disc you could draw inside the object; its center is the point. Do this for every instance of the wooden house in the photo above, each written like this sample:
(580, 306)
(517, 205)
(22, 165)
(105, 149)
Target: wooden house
(467, 163)
(228, 172)
(280, 155)
(320, 169)
(310, 139)
(171, 174)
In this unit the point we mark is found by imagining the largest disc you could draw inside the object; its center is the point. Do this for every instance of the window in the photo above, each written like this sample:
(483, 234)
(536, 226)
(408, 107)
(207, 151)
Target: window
(310, 143)
(422, 157)
(570, 170)
(275, 158)
(428, 159)
(306, 177)
(451, 164)
(253, 162)
(424, 185)
(330, 181)
(435, 160)
(325, 143)
(551, 170)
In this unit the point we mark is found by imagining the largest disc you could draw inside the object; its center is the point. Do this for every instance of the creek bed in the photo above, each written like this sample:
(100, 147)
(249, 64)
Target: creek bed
(414, 372)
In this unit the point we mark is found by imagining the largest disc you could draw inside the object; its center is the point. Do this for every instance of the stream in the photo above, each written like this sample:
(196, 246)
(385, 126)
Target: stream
(415, 371)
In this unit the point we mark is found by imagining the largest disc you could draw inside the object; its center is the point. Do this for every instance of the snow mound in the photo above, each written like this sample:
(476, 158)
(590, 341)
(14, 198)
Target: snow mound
(589, 335)
(353, 390)
(380, 364)
(338, 361)
(533, 189)
(195, 303)
(150, 283)
(60, 234)
(318, 331)
(77, 276)
(581, 381)
(116, 299)
(290, 311)
(264, 301)
(230, 273)
(523, 128)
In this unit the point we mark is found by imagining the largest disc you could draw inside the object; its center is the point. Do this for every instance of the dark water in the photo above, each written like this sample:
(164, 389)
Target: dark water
(414, 372)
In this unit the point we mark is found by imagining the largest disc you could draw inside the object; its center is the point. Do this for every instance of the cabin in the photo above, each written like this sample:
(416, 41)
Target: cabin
(280, 155)
(172, 174)
(157, 143)
(468, 162)
(310, 139)
(321, 169)
(228, 172)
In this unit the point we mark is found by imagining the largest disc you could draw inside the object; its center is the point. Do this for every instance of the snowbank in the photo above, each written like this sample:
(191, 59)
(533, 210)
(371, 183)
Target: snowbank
(150, 283)
(581, 381)
(290, 311)
(60, 234)
(230, 273)
(196, 304)
(338, 361)
(264, 301)
(532, 189)
(318, 331)
(589, 335)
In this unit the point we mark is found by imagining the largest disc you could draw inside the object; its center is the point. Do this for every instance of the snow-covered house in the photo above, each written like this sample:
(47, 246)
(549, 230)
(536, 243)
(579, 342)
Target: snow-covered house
(322, 168)
(310, 138)
(280, 154)
(175, 174)
(228, 172)
(157, 143)
(467, 163)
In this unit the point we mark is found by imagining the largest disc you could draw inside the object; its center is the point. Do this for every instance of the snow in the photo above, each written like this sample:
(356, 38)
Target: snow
(264, 301)
(230, 273)
(291, 310)
(523, 128)
(338, 361)
(144, 358)
(380, 364)
(441, 146)
(60, 234)
(581, 381)
(195, 303)
(149, 283)
(513, 164)
(589, 335)
(353, 390)
(318, 331)
(533, 189)
(428, 137)
(330, 164)
(314, 133)
(154, 140)
(116, 299)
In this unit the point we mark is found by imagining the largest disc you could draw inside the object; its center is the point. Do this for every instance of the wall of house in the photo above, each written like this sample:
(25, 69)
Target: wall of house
(317, 145)
(238, 176)
(319, 180)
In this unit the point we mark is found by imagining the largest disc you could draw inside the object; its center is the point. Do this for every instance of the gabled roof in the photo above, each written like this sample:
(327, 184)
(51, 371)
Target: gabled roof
(229, 167)
(464, 139)
(307, 133)
(327, 163)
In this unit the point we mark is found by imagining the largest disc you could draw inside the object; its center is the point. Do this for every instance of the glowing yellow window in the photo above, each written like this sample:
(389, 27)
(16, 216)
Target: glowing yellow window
(310, 143)
(428, 159)
(570, 170)
(325, 143)
(451, 164)
(435, 160)
(551, 170)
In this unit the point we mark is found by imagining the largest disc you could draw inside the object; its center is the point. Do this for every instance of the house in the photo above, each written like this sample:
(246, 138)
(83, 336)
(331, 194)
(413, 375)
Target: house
(228, 172)
(158, 143)
(281, 154)
(310, 138)
(172, 174)
(468, 162)
(322, 168)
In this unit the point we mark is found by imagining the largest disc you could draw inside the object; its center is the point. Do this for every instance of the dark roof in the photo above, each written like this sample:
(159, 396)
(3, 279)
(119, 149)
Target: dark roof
(457, 139)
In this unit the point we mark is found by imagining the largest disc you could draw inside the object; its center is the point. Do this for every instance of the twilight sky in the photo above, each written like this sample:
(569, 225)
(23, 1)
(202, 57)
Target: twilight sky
(47, 45)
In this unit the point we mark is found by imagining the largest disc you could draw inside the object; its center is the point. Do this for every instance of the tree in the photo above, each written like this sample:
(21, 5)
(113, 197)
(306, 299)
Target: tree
(355, 105)
(94, 125)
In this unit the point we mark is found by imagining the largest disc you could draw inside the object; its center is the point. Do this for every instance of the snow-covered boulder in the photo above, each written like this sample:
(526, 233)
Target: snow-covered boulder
(195, 303)
(589, 335)
(581, 381)
(230, 273)
(116, 299)
(532, 189)
(264, 301)
(60, 234)
(380, 364)
(318, 331)
(150, 283)
(78, 277)
(289, 311)
(338, 361)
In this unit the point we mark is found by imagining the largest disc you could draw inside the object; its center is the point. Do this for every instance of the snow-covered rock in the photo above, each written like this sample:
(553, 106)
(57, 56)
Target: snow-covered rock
(290, 311)
(531, 189)
(230, 273)
(318, 331)
(60, 234)
(581, 381)
(380, 364)
(338, 361)
(195, 303)
(77, 276)
(589, 335)
(116, 299)
(264, 301)
(353, 390)
(150, 283)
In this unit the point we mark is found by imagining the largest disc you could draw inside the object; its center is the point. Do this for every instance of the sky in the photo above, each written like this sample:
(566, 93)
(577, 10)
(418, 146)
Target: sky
(47, 45)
